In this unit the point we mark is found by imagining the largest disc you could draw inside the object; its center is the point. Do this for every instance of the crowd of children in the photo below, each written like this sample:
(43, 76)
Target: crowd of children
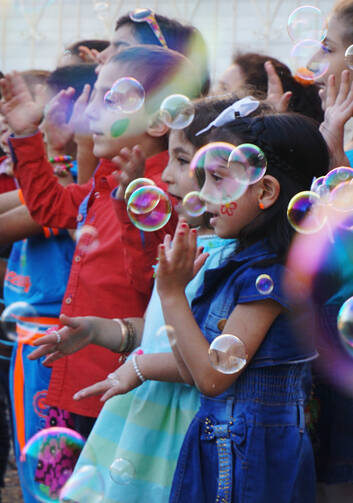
(126, 315)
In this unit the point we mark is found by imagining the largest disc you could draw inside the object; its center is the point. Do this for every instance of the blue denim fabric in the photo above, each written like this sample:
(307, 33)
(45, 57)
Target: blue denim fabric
(250, 446)
(235, 283)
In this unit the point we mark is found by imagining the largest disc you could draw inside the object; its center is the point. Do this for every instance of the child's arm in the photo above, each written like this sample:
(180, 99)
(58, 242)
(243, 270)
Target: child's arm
(17, 224)
(156, 366)
(10, 200)
(249, 322)
(79, 332)
(338, 108)
(49, 203)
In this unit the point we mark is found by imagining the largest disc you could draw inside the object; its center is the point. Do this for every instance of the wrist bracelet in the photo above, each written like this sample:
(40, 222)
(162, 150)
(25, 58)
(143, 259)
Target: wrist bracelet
(131, 336)
(60, 158)
(137, 369)
(124, 335)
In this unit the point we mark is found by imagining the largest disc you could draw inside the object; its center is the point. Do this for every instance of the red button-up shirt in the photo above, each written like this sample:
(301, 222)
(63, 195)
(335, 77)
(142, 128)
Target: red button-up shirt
(99, 283)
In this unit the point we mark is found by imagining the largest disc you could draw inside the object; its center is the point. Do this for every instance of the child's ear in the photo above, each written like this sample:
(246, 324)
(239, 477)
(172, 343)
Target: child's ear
(269, 191)
(156, 127)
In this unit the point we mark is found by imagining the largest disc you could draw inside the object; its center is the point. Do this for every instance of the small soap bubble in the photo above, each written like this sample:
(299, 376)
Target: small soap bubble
(48, 460)
(122, 471)
(305, 214)
(320, 188)
(144, 199)
(248, 163)
(306, 22)
(345, 324)
(126, 95)
(337, 176)
(165, 331)
(19, 321)
(227, 354)
(348, 57)
(166, 337)
(86, 239)
(155, 219)
(212, 161)
(193, 204)
(177, 111)
(136, 184)
(307, 61)
(341, 197)
(86, 485)
(264, 284)
(101, 9)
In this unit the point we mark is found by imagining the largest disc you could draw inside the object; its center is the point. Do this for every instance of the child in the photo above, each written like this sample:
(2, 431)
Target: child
(98, 284)
(147, 425)
(248, 441)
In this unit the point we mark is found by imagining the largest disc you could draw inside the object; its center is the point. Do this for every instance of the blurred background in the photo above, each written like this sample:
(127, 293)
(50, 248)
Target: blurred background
(33, 33)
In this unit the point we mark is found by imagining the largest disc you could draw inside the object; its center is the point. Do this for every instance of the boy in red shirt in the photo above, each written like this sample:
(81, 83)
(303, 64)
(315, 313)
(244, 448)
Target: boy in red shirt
(98, 283)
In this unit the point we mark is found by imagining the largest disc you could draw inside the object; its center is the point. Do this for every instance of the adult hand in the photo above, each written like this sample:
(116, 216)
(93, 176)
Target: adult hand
(23, 113)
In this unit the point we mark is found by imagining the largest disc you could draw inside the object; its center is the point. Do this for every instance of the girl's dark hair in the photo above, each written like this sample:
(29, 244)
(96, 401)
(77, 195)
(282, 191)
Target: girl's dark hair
(296, 152)
(182, 38)
(305, 98)
(343, 11)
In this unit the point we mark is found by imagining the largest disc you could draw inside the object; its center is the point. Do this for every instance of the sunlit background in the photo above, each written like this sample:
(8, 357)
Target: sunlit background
(34, 32)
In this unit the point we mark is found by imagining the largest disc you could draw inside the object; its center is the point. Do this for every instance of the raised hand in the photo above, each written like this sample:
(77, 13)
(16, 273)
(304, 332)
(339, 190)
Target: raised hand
(76, 334)
(78, 120)
(23, 113)
(88, 55)
(275, 94)
(123, 380)
(58, 132)
(132, 166)
(178, 262)
(338, 107)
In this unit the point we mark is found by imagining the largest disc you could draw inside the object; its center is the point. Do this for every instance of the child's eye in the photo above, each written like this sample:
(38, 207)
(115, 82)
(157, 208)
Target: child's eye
(216, 177)
(326, 49)
(183, 161)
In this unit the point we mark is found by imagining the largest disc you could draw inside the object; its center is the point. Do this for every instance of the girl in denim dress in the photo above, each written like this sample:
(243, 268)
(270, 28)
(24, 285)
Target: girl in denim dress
(248, 441)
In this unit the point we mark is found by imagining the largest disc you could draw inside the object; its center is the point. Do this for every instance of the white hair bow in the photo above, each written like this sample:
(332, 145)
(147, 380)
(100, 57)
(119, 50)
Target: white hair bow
(242, 107)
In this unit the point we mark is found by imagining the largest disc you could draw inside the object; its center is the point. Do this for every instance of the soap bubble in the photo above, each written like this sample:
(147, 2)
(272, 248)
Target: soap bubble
(136, 184)
(305, 214)
(264, 284)
(306, 22)
(86, 239)
(341, 197)
(122, 471)
(144, 199)
(212, 160)
(86, 485)
(337, 176)
(48, 460)
(345, 325)
(227, 354)
(177, 111)
(308, 63)
(248, 163)
(193, 204)
(348, 57)
(320, 188)
(126, 95)
(155, 219)
(19, 321)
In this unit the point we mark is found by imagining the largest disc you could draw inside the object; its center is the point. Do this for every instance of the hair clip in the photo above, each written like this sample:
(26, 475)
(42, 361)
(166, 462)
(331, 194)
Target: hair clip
(241, 108)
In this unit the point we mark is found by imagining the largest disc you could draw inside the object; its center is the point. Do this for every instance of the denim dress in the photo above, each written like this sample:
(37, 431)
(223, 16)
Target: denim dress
(249, 444)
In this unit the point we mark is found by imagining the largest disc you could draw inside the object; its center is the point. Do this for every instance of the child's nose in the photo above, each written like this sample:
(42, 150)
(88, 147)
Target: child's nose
(167, 174)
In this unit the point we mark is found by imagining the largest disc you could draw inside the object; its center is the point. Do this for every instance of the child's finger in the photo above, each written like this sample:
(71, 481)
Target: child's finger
(331, 91)
(5, 89)
(200, 261)
(69, 321)
(95, 389)
(52, 358)
(125, 154)
(42, 351)
(114, 390)
(284, 102)
(344, 87)
(168, 241)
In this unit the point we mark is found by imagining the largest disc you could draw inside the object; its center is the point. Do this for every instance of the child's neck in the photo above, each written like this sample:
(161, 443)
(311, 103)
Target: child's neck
(152, 146)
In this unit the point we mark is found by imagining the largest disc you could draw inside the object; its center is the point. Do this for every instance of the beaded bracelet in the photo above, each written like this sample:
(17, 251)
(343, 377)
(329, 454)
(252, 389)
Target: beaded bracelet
(137, 369)
(62, 164)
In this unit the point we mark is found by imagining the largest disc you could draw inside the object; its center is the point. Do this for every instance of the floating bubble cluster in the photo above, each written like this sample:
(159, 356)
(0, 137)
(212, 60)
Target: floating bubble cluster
(227, 354)
(306, 22)
(122, 471)
(149, 208)
(193, 204)
(307, 60)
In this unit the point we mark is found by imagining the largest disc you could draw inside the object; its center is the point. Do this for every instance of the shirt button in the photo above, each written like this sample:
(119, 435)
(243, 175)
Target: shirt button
(77, 258)
(68, 300)
(79, 217)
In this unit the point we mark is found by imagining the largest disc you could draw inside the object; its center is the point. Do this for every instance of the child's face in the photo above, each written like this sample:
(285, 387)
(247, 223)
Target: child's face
(112, 130)
(122, 38)
(230, 218)
(177, 173)
(231, 81)
(335, 48)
